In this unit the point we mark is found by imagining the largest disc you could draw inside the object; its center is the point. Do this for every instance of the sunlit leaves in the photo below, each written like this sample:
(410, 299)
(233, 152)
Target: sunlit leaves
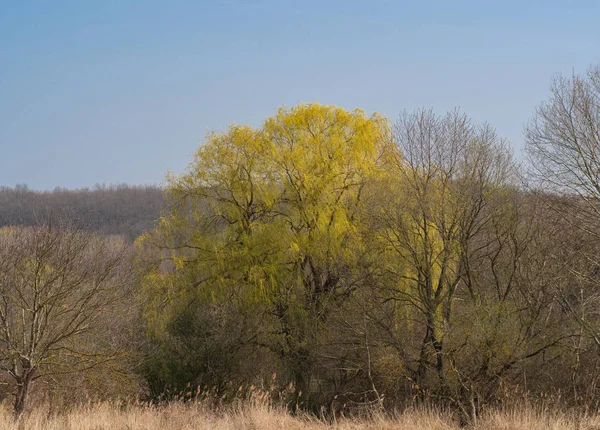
(274, 212)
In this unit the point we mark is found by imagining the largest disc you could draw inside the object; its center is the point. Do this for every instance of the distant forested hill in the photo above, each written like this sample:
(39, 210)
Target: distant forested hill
(123, 209)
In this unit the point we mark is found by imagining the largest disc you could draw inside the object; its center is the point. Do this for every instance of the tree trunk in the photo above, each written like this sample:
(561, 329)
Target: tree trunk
(431, 344)
(23, 386)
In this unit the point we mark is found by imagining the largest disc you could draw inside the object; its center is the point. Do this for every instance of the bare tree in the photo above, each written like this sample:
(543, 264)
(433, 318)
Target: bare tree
(454, 232)
(446, 172)
(563, 145)
(55, 285)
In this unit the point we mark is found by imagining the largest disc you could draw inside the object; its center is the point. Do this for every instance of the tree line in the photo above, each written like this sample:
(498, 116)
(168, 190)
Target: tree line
(339, 261)
(122, 210)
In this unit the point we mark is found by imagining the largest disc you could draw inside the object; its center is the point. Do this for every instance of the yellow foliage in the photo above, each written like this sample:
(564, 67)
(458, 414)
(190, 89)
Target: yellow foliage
(262, 209)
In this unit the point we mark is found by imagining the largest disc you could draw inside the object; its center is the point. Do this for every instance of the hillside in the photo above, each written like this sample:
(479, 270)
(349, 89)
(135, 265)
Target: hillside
(124, 210)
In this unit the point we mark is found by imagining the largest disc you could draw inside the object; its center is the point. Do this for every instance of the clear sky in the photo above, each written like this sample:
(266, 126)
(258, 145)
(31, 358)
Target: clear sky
(114, 91)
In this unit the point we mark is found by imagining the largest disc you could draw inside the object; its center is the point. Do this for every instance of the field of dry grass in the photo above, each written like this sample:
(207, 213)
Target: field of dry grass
(198, 416)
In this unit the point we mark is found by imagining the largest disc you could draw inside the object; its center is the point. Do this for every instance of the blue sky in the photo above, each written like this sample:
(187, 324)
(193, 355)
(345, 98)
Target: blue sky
(122, 91)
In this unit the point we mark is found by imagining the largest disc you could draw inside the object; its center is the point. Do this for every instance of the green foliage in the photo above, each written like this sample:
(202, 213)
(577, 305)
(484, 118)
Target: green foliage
(202, 349)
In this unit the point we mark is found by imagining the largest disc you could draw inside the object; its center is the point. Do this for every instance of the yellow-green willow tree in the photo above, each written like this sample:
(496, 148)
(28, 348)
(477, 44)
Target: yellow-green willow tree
(270, 217)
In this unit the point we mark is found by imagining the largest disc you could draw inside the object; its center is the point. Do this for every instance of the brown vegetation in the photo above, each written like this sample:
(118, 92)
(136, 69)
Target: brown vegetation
(198, 416)
(347, 266)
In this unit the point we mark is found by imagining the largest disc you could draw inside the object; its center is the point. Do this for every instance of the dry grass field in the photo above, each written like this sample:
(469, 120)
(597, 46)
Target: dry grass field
(199, 416)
